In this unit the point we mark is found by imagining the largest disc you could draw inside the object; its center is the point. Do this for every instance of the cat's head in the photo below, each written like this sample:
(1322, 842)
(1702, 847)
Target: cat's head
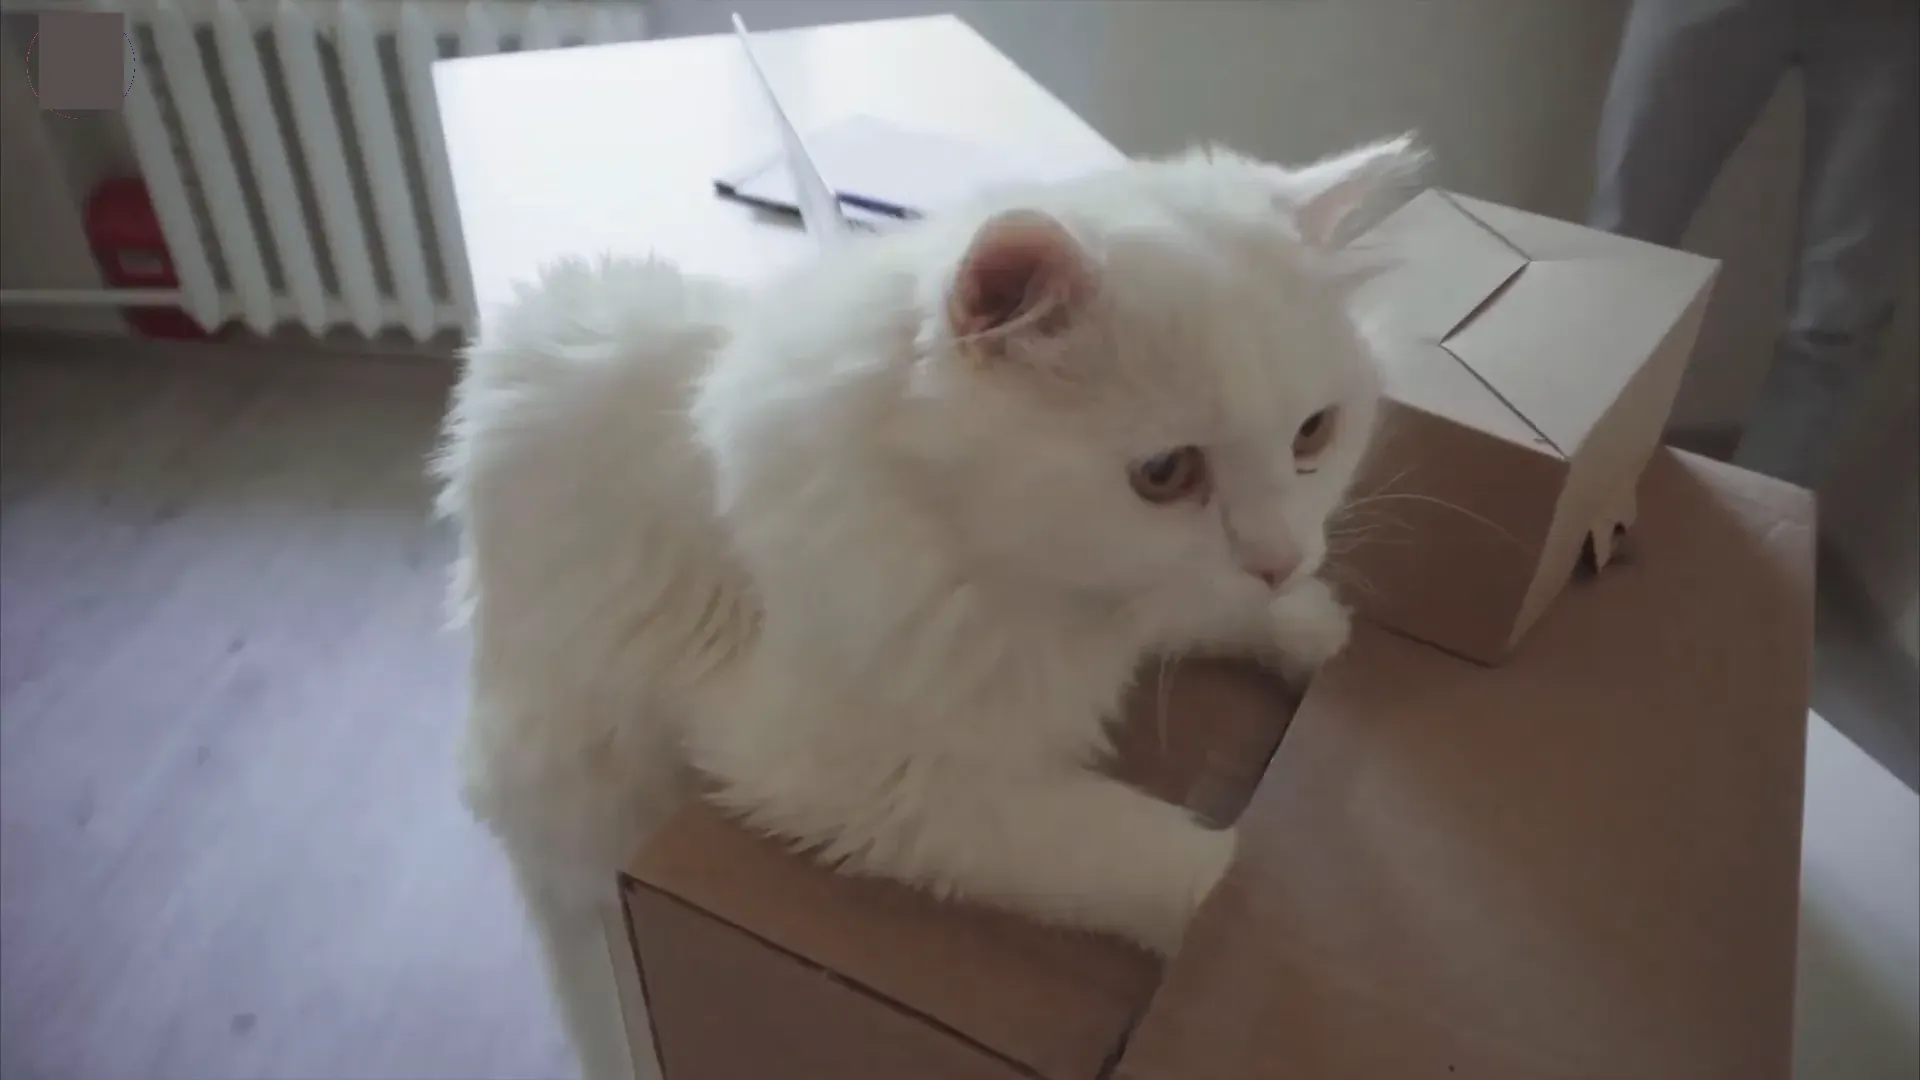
(1152, 383)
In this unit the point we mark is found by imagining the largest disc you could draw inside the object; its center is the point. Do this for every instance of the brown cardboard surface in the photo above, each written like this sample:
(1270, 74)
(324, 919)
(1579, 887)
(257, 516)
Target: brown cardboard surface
(1582, 864)
(1530, 367)
(811, 970)
(734, 1007)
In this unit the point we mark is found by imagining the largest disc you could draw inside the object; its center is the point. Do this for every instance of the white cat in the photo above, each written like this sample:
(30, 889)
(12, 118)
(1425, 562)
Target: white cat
(877, 549)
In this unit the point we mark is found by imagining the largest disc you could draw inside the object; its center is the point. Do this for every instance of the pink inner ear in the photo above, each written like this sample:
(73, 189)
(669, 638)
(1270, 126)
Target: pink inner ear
(1021, 263)
(1333, 195)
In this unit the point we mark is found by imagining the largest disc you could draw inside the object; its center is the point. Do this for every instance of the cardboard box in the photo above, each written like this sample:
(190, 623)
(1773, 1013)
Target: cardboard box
(1532, 365)
(755, 962)
(1584, 863)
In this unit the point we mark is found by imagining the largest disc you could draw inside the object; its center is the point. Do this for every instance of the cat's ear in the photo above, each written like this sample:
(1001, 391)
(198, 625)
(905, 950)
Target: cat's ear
(1023, 279)
(1334, 198)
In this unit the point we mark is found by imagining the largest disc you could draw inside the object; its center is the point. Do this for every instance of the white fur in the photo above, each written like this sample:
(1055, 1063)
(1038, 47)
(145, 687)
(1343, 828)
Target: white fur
(884, 595)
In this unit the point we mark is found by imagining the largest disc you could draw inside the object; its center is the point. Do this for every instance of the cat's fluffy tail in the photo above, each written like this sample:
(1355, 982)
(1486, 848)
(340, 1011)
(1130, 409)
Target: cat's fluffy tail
(592, 569)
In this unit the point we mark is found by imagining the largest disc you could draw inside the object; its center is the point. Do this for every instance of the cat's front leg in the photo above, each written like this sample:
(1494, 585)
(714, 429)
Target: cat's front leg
(998, 821)
(1071, 848)
(1307, 626)
(1294, 633)
(1059, 845)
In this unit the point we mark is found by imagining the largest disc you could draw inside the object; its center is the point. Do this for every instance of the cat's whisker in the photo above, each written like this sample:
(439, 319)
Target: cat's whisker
(1346, 575)
(1356, 503)
(1162, 693)
(1346, 532)
(1461, 510)
(1344, 539)
(1365, 515)
(1349, 548)
(1384, 488)
(1416, 497)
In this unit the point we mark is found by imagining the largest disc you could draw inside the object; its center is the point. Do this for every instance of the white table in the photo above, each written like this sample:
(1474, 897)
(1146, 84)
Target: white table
(616, 147)
(1857, 1014)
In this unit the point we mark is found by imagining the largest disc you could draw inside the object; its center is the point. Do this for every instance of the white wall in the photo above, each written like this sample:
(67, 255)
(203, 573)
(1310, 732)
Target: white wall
(41, 241)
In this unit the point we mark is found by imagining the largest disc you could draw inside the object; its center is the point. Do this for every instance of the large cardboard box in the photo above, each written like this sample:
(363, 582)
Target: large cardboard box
(1581, 864)
(1531, 366)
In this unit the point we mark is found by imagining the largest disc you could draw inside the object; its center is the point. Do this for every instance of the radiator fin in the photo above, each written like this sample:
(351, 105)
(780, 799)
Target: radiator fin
(293, 150)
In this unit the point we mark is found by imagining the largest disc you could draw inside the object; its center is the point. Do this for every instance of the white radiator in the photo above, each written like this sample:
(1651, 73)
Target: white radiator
(294, 156)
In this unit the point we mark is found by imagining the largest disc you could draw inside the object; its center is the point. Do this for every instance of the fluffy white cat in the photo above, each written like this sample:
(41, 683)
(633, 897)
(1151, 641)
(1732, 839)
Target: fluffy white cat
(875, 550)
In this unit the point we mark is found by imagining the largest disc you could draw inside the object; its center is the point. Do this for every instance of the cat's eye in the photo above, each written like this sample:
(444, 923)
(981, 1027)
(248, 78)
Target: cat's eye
(1174, 476)
(1313, 437)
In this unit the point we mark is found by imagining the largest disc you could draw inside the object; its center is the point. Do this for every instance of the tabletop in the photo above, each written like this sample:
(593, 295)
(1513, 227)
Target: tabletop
(614, 148)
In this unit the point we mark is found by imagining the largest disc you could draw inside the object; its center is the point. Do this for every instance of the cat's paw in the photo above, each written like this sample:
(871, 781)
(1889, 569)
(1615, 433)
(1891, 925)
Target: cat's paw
(1310, 627)
(1207, 855)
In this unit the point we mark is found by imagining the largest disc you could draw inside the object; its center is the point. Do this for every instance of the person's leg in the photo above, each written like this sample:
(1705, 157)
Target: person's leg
(1858, 188)
(1690, 78)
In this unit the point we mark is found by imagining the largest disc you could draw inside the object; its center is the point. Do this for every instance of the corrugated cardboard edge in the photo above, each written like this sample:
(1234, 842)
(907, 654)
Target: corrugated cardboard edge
(642, 1040)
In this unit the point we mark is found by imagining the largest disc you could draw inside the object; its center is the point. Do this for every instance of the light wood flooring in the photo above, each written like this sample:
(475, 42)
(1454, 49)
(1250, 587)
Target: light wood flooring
(231, 842)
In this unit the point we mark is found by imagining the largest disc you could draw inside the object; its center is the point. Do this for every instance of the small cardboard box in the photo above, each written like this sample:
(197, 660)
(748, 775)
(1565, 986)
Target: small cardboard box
(1582, 864)
(755, 962)
(1530, 368)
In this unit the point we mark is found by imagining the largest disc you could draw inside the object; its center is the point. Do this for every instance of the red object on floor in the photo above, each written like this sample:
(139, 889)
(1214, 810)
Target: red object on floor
(126, 239)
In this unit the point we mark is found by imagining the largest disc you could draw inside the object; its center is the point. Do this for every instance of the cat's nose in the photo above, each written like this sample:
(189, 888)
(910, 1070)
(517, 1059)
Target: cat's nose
(1275, 572)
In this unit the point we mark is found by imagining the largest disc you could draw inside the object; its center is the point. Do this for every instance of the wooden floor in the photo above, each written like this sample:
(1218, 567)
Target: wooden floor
(231, 842)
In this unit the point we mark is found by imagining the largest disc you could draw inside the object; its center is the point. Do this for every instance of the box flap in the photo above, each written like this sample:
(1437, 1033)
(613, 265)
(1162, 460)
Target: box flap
(1584, 863)
(1552, 318)
(1543, 238)
(1056, 1002)
(1566, 336)
(1446, 265)
(728, 1006)
(1427, 377)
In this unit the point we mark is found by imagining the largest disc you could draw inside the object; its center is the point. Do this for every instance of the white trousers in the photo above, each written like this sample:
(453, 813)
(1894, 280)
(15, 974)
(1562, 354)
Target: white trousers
(1690, 79)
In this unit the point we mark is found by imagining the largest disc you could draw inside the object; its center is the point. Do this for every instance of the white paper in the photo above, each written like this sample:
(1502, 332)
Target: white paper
(819, 209)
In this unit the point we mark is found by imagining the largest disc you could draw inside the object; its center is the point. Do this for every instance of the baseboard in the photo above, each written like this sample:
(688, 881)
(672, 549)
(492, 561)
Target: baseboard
(293, 356)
